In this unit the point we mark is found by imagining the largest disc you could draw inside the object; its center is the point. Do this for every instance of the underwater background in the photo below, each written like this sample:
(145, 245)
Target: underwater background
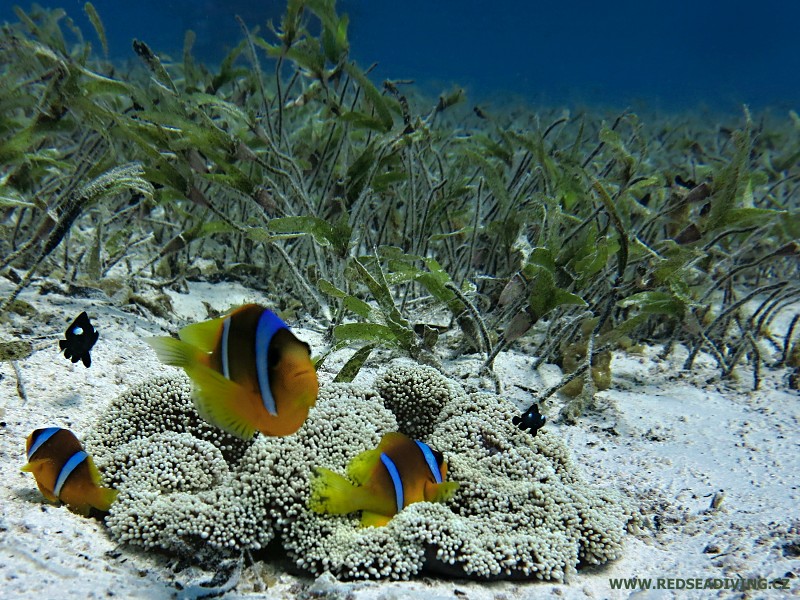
(593, 252)
(672, 55)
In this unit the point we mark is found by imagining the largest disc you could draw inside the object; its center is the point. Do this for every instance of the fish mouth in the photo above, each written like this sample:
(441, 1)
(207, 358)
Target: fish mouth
(302, 373)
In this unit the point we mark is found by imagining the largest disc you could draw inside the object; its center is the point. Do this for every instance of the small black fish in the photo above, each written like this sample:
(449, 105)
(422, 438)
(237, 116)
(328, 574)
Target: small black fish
(532, 420)
(81, 336)
(687, 183)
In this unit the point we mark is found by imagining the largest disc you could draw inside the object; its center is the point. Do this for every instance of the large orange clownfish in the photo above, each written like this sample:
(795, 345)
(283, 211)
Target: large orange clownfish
(65, 472)
(397, 473)
(249, 370)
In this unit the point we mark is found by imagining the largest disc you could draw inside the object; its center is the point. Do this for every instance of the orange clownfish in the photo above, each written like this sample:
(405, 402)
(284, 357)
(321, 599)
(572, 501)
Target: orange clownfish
(64, 472)
(398, 472)
(250, 371)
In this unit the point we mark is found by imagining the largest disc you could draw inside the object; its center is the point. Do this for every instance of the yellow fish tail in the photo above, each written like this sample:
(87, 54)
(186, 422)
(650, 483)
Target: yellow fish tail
(202, 336)
(104, 498)
(334, 494)
(175, 352)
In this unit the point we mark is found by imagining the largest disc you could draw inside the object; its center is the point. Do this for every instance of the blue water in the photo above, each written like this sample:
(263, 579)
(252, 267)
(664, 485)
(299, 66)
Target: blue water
(667, 53)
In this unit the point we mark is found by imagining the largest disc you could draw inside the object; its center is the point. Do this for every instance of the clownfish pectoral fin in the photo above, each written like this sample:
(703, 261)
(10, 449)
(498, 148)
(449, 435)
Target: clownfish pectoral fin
(30, 467)
(332, 493)
(440, 492)
(363, 465)
(203, 336)
(175, 352)
(50, 496)
(220, 401)
(371, 519)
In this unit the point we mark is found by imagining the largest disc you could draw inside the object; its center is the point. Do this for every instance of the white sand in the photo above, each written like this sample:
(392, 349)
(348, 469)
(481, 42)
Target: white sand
(668, 439)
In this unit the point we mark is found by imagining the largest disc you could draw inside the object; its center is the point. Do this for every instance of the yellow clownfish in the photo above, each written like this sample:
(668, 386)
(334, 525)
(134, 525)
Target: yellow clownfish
(64, 472)
(398, 472)
(250, 372)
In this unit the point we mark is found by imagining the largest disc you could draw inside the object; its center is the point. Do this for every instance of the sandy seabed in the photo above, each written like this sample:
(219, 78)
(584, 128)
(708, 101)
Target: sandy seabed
(668, 439)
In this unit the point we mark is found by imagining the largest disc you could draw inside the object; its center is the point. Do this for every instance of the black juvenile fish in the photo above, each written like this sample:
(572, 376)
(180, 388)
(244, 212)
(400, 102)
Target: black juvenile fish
(532, 420)
(81, 336)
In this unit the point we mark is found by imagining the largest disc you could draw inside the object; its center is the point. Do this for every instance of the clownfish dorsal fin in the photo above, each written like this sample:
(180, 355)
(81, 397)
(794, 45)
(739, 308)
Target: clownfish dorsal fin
(218, 401)
(203, 336)
(371, 519)
(362, 466)
(393, 439)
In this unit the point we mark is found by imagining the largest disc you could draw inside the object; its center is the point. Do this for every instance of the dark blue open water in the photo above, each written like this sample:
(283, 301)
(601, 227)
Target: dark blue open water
(667, 53)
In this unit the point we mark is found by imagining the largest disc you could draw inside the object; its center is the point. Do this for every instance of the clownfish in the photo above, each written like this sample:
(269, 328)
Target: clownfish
(399, 472)
(65, 472)
(249, 370)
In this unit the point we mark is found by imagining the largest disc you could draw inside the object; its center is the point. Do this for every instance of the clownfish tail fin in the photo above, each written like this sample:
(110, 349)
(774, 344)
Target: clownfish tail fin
(332, 493)
(104, 498)
(202, 336)
(174, 352)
